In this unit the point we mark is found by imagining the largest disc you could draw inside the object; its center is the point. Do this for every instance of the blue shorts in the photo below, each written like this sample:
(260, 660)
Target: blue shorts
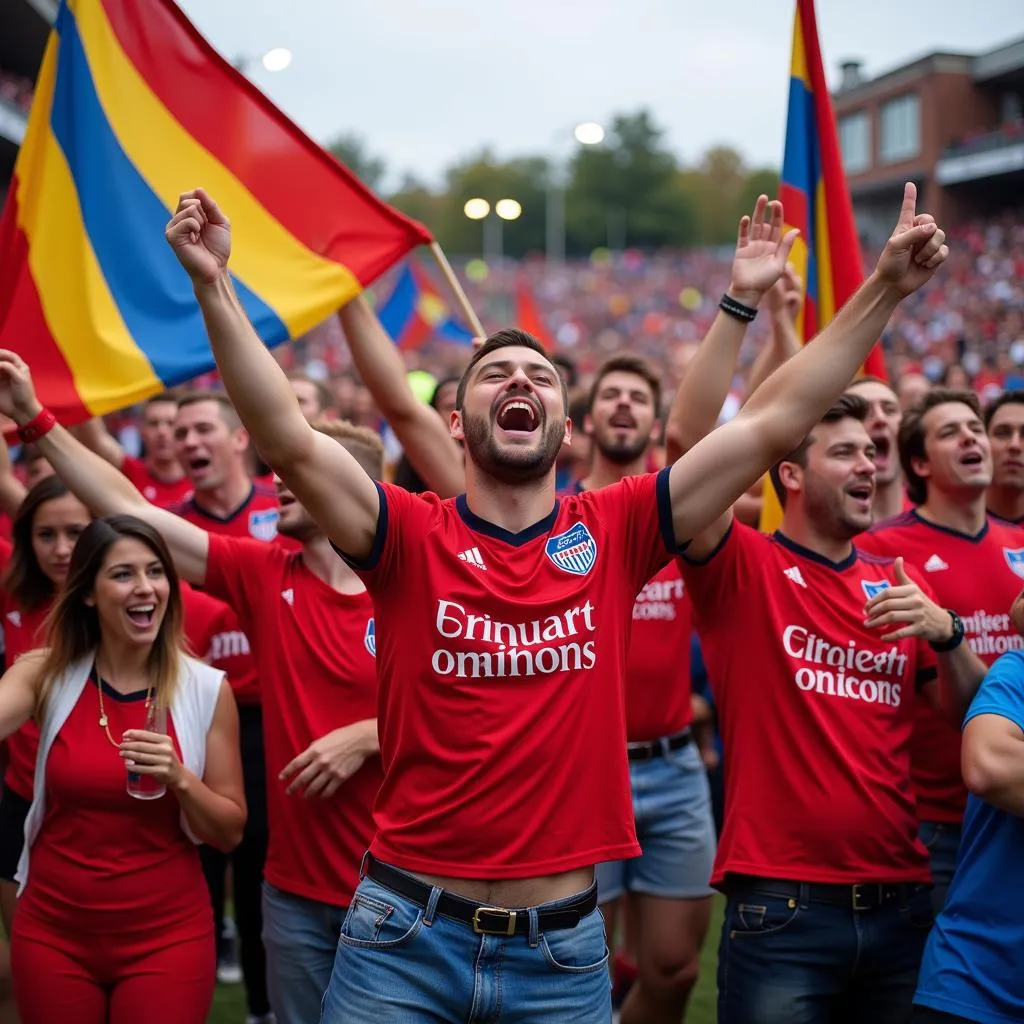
(676, 829)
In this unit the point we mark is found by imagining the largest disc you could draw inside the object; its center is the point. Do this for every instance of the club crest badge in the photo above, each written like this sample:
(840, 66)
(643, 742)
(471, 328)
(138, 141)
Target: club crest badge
(370, 638)
(1015, 560)
(874, 589)
(574, 551)
(263, 524)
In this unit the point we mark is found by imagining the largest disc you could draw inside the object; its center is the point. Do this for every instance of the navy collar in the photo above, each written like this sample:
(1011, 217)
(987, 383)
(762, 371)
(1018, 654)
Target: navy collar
(199, 510)
(478, 525)
(972, 537)
(799, 549)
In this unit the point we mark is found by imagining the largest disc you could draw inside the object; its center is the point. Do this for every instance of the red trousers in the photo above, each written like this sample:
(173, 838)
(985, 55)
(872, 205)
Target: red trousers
(104, 977)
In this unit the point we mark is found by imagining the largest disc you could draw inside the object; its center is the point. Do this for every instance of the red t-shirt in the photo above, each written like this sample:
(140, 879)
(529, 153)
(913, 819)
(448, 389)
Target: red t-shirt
(257, 518)
(501, 661)
(816, 713)
(162, 493)
(105, 862)
(658, 667)
(977, 577)
(23, 632)
(315, 648)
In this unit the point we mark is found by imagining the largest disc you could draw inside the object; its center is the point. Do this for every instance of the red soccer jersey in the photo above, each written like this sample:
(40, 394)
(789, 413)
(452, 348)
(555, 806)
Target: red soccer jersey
(256, 517)
(658, 667)
(162, 493)
(206, 619)
(501, 661)
(315, 648)
(816, 713)
(978, 578)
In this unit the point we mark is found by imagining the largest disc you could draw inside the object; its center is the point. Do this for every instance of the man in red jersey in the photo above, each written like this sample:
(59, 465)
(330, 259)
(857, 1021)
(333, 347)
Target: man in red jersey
(826, 880)
(314, 397)
(670, 899)
(1004, 424)
(503, 617)
(158, 475)
(973, 564)
(883, 424)
(312, 628)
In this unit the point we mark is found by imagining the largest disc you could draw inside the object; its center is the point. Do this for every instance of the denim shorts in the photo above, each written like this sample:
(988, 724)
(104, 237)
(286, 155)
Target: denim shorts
(676, 829)
(400, 963)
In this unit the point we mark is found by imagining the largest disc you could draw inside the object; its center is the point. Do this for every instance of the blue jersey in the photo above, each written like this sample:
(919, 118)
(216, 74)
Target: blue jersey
(972, 963)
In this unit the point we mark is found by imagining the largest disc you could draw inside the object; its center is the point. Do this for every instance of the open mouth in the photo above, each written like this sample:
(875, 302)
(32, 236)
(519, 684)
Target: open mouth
(862, 493)
(972, 459)
(142, 614)
(623, 420)
(883, 447)
(198, 464)
(517, 415)
(285, 500)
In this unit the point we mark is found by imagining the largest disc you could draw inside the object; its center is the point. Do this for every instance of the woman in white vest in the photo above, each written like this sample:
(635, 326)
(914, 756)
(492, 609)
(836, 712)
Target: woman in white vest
(138, 762)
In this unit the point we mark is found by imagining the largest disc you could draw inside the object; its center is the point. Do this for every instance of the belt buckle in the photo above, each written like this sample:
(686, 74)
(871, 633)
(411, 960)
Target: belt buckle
(507, 929)
(857, 894)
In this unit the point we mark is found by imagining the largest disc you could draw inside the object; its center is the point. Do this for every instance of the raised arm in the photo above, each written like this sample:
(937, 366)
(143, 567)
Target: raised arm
(711, 476)
(783, 302)
(424, 436)
(319, 472)
(102, 488)
(761, 254)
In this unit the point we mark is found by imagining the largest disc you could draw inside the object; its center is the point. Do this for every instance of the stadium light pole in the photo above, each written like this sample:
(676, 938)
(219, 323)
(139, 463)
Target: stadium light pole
(276, 59)
(493, 234)
(588, 133)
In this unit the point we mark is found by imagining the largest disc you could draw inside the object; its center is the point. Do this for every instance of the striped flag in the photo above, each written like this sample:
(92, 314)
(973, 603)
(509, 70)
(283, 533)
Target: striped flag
(133, 107)
(816, 200)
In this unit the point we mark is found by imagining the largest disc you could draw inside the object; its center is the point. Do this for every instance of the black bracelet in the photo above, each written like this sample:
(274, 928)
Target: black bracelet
(955, 640)
(737, 309)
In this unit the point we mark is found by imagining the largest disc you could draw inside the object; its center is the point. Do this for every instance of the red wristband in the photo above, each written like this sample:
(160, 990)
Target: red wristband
(40, 424)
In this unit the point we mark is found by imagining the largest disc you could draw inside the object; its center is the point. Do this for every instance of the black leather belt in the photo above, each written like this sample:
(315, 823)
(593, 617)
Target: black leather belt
(658, 748)
(865, 896)
(482, 919)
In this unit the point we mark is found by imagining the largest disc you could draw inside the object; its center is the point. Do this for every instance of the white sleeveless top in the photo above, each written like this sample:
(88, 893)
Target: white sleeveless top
(195, 700)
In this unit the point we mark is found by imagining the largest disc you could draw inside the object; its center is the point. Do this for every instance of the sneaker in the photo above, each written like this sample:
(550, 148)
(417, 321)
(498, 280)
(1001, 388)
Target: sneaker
(229, 972)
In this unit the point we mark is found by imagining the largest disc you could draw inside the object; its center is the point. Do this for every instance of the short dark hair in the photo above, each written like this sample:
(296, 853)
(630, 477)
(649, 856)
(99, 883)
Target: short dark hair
(910, 440)
(567, 368)
(165, 397)
(847, 407)
(508, 337)
(228, 413)
(1006, 398)
(626, 362)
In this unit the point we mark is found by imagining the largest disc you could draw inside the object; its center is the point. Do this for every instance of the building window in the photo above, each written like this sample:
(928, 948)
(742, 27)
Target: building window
(900, 129)
(855, 142)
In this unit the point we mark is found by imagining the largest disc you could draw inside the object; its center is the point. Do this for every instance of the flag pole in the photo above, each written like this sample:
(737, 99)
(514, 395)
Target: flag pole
(460, 296)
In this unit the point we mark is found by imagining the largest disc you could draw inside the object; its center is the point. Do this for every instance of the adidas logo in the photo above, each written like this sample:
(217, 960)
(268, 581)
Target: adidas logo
(289, 595)
(14, 618)
(793, 573)
(935, 564)
(473, 557)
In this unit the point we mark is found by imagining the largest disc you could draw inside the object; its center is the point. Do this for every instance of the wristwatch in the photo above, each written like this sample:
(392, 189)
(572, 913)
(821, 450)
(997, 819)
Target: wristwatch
(955, 640)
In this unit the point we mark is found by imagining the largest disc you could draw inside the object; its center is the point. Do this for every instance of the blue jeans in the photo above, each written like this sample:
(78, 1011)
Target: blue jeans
(398, 963)
(676, 829)
(794, 961)
(942, 841)
(301, 938)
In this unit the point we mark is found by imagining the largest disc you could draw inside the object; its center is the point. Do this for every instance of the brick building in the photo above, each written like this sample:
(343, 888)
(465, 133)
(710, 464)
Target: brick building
(953, 123)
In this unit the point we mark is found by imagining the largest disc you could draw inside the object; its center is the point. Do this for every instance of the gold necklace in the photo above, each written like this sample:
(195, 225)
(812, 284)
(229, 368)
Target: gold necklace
(104, 722)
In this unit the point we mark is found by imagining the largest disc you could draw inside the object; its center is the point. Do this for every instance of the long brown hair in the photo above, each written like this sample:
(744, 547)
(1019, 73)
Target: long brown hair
(73, 627)
(23, 579)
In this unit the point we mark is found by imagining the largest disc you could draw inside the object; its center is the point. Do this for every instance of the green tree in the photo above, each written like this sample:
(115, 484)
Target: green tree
(351, 150)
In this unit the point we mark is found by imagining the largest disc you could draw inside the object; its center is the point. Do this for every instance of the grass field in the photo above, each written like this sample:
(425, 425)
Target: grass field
(229, 1002)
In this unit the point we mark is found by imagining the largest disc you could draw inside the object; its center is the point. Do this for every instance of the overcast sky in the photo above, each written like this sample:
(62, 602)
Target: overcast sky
(428, 81)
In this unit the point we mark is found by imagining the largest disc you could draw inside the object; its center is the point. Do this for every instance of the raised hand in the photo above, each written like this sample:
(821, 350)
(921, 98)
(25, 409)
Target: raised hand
(786, 296)
(200, 236)
(908, 611)
(915, 250)
(761, 252)
(17, 394)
